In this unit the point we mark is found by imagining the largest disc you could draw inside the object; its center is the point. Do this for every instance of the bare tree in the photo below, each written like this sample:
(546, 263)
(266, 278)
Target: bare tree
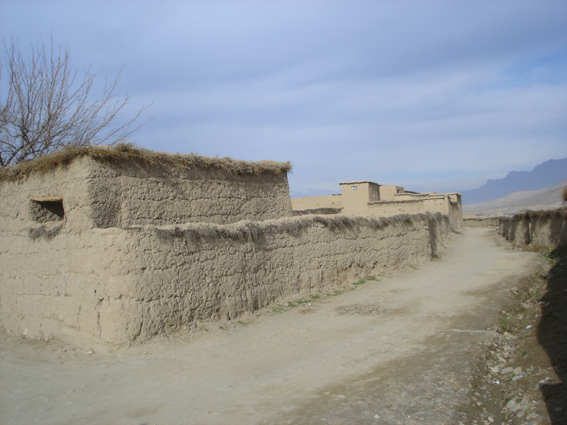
(48, 106)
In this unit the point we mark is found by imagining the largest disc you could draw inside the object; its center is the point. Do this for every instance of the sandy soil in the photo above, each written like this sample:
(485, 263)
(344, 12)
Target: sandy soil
(399, 349)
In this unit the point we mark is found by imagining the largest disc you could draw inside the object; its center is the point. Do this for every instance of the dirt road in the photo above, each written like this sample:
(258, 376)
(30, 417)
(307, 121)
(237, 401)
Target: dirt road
(395, 350)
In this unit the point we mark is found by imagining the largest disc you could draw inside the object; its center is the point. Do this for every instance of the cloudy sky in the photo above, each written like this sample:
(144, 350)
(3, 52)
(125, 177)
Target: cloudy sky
(430, 95)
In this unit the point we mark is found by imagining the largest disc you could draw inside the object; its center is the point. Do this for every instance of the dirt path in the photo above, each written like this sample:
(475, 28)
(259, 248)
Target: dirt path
(396, 350)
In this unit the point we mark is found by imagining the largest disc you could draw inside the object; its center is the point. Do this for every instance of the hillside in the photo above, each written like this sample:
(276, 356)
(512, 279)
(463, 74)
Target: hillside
(514, 203)
(543, 176)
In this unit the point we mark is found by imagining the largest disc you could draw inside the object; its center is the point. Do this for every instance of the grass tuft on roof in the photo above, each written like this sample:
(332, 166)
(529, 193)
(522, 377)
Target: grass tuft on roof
(148, 158)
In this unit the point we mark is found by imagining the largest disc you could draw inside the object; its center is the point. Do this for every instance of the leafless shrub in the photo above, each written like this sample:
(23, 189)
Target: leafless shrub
(564, 195)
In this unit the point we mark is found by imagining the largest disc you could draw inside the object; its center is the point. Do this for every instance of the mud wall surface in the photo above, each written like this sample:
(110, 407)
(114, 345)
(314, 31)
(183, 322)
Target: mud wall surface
(18, 210)
(105, 195)
(317, 202)
(130, 194)
(441, 204)
(123, 285)
(455, 212)
(397, 207)
(481, 222)
(543, 228)
(318, 211)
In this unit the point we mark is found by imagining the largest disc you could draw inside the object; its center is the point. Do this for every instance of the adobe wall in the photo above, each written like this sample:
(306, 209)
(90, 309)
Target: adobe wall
(398, 207)
(17, 210)
(480, 222)
(389, 192)
(416, 204)
(541, 228)
(120, 195)
(357, 194)
(122, 285)
(130, 194)
(316, 202)
(455, 210)
(366, 197)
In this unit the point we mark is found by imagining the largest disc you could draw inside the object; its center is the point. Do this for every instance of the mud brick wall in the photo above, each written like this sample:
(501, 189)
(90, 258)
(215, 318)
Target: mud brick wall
(120, 285)
(543, 228)
(129, 194)
(481, 222)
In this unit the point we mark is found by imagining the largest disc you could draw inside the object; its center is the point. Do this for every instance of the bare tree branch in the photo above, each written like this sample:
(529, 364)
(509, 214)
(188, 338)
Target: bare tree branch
(48, 106)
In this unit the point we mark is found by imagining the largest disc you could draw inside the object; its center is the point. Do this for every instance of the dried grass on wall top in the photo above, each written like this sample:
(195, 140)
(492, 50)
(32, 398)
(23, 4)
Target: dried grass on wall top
(557, 213)
(526, 215)
(246, 231)
(128, 152)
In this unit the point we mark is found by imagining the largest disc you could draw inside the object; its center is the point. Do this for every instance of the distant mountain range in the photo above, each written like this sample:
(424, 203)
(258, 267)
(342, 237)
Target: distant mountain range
(543, 199)
(541, 177)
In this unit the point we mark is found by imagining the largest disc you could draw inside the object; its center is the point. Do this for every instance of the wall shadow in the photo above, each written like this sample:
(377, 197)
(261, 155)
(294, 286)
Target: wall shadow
(552, 335)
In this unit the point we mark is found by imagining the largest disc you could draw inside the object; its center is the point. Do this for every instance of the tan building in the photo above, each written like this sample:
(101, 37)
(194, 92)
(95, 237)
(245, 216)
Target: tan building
(118, 244)
(367, 197)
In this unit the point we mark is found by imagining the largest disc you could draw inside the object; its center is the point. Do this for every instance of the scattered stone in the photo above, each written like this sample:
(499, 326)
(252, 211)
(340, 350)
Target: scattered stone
(507, 370)
(90, 352)
(513, 406)
(376, 416)
(518, 370)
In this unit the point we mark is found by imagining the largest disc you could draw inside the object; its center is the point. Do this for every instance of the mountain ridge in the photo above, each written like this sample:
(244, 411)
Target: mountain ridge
(517, 202)
(542, 176)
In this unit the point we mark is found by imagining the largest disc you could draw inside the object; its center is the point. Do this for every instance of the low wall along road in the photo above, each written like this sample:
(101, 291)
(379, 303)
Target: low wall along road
(121, 285)
(543, 228)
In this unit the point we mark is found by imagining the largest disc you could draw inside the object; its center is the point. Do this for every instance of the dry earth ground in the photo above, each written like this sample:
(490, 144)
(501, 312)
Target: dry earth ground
(417, 346)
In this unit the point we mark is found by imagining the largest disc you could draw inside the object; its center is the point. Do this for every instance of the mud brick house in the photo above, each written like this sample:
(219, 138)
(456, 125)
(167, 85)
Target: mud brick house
(367, 197)
(117, 244)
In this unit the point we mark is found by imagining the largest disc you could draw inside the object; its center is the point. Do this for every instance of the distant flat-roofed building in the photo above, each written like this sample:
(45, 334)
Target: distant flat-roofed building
(367, 197)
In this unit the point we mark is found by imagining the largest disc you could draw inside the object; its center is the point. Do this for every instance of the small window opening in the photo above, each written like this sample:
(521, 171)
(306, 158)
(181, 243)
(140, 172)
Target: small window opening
(43, 210)
(354, 187)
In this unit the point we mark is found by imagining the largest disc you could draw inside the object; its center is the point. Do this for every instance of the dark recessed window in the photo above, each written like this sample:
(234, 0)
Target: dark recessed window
(43, 210)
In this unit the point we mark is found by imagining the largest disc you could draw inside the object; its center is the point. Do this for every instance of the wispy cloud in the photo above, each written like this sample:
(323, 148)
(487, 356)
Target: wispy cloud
(437, 95)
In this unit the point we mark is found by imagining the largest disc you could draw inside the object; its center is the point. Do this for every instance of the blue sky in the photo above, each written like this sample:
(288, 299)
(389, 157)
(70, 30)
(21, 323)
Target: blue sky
(430, 95)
